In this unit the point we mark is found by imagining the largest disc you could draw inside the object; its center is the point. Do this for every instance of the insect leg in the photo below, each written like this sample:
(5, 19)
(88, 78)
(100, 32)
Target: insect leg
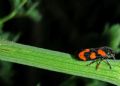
(106, 61)
(98, 63)
(113, 56)
(91, 62)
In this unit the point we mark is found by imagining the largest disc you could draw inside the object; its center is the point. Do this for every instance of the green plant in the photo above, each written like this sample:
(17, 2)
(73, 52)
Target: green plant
(57, 61)
(48, 59)
(19, 8)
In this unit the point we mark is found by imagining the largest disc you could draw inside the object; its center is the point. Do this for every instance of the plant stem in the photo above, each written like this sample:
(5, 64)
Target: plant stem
(58, 61)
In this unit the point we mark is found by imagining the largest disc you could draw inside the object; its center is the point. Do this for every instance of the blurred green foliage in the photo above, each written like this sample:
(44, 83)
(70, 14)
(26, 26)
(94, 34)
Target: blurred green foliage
(113, 32)
(29, 8)
(19, 8)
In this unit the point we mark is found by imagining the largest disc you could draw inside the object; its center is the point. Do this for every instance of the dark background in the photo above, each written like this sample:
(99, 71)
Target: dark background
(66, 25)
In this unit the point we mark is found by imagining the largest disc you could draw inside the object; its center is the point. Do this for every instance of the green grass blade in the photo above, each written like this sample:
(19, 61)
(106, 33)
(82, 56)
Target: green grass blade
(58, 61)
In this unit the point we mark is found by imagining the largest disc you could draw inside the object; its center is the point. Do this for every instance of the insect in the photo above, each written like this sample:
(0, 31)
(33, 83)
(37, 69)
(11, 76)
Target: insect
(97, 55)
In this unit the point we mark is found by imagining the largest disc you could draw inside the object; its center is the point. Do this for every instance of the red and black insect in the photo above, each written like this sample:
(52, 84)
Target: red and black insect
(97, 55)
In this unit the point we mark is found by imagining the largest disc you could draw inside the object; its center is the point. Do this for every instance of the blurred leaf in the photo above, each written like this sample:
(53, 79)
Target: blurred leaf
(15, 3)
(69, 82)
(96, 83)
(10, 36)
(38, 84)
(114, 34)
(16, 37)
(13, 13)
(5, 35)
(1, 26)
(30, 10)
(6, 72)
(33, 12)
